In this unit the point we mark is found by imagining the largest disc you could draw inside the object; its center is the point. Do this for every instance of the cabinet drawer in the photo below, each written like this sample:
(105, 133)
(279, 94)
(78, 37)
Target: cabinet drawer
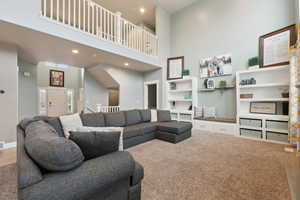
(280, 137)
(280, 125)
(251, 133)
(251, 122)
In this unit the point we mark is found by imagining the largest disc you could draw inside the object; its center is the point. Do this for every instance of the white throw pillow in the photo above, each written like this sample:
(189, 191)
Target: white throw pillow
(104, 129)
(153, 115)
(70, 123)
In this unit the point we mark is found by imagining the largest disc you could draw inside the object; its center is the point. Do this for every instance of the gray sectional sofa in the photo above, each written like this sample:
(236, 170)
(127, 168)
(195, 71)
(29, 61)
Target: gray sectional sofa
(115, 176)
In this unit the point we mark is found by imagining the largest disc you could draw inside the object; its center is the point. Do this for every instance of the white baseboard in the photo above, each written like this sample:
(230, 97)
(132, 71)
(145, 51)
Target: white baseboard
(9, 145)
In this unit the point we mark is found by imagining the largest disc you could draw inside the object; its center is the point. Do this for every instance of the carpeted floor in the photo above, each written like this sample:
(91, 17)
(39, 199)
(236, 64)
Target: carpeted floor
(213, 167)
(205, 167)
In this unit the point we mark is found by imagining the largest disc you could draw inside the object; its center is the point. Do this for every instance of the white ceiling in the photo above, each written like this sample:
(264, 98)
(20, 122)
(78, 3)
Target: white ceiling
(130, 9)
(35, 47)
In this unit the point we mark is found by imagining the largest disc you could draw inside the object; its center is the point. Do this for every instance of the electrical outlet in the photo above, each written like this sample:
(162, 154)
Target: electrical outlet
(2, 144)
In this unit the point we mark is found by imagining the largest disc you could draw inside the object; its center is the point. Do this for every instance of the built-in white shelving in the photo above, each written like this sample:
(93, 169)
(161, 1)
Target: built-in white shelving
(182, 97)
(271, 85)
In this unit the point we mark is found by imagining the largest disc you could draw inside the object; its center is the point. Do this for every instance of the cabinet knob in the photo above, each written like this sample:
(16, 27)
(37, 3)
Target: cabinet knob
(2, 91)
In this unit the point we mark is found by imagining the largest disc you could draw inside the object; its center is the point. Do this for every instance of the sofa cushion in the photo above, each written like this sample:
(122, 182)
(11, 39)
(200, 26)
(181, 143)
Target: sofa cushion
(138, 174)
(132, 131)
(132, 117)
(146, 115)
(116, 119)
(163, 116)
(175, 127)
(148, 127)
(50, 151)
(95, 144)
(93, 119)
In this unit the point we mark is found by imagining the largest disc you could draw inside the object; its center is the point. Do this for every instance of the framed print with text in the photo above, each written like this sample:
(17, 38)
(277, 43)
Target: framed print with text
(175, 68)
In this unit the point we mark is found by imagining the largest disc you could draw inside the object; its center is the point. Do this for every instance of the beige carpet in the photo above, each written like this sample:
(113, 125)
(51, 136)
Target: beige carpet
(205, 167)
(213, 167)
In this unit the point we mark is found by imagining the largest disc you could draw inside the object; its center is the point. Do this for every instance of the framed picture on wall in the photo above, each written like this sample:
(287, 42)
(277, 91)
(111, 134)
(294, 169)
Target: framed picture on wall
(57, 78)
(216, 66)
(175, 68)
(274, 47)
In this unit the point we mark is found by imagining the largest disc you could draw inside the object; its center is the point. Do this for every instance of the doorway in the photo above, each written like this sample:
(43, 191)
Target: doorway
(55, 102)
(113, 97)
(151, 95)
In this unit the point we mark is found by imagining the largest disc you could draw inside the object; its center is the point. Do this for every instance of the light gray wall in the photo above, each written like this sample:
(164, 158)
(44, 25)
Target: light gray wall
(210, 28)
(73, 78)
(95, 92)
(28, 90)
(131, 87)
(163, 31)
(8, 100)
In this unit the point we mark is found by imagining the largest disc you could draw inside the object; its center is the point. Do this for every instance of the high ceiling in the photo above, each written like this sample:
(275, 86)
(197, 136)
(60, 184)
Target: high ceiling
(130, 9)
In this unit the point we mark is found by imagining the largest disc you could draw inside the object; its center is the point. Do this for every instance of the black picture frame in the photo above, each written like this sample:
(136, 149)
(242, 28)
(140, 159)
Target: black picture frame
(182, 67)
(57, 78)
(293, 40)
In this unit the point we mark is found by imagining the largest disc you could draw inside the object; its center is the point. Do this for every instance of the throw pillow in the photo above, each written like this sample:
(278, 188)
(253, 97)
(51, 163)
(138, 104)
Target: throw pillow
(146, 115)
(104, 129)
(70, 123)
(96, 144)
(50, 151)
(153, 115)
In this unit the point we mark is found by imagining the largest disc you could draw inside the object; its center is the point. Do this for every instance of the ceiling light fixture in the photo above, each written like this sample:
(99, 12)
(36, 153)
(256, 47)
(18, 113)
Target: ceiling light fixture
(75, 51)
(126, 64)
(142, 10)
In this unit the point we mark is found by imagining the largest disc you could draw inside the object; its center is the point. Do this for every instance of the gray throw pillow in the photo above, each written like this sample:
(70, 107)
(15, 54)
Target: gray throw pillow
(163, 116)
(96, 144)
(50, 151)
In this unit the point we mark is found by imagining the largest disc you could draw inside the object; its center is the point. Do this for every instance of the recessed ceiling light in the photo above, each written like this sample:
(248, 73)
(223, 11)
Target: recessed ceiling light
(142, 10)
(126, 64)
(75, 51)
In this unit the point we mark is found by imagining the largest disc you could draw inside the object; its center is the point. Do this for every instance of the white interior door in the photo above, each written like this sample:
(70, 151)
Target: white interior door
(57, 102)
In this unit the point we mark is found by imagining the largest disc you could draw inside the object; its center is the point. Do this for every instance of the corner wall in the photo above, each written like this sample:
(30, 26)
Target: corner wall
(210, 28)
(8, 100)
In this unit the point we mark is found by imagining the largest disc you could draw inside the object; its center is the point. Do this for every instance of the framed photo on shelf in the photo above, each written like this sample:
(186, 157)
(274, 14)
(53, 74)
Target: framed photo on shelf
(274, 47)
(57, 78)
(175, 68)
(263, 108)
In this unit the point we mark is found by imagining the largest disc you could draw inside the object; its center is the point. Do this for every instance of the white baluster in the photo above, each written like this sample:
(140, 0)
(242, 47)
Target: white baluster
(51, 9)
(57, 10)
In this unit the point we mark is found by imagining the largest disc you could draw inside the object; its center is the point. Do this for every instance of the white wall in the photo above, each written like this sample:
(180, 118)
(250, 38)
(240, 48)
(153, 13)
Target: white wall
(163, 31)
(9, 100)
(210, 28)
(95, 92)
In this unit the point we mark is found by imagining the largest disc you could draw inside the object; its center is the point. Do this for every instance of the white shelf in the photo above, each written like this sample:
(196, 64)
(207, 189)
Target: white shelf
(265, 85)
(264, 116)
(266, 100)
(180, 80)
(181, 100)
(268, 69)
(181, 90)
(188, 112)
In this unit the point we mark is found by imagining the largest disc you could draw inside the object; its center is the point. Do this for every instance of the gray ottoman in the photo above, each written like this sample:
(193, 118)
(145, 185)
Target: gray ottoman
(174, 131)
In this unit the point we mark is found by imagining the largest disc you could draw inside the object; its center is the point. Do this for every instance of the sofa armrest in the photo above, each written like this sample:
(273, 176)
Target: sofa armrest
(28, 172)
(91, 177)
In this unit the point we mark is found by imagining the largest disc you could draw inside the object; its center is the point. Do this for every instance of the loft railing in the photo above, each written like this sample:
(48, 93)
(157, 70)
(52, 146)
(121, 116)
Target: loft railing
(107, 109)
(89, 17)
